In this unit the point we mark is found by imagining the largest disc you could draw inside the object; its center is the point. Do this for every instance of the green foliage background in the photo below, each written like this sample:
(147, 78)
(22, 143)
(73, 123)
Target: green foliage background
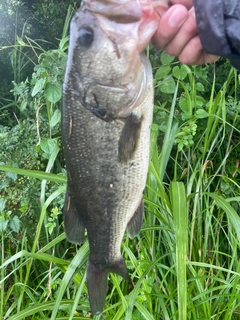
(184, 263)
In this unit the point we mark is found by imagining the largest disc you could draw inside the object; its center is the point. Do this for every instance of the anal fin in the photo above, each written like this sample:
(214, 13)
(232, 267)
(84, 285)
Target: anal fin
(135, 223)
(73, 227)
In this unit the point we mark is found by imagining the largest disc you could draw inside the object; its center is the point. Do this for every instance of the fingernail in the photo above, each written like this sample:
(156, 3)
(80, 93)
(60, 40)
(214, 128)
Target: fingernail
(177, 17)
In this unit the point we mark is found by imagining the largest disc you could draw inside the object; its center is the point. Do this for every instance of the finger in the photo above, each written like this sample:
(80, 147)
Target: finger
(194, 54)
(187, 3)
(169, 25)
(187, 31)
(210, 58)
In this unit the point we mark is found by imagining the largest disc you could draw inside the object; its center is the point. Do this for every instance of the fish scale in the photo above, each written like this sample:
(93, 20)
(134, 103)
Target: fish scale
(106, 118)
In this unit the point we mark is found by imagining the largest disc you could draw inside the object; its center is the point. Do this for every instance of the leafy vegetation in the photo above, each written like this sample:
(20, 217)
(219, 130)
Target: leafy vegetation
(184, 264)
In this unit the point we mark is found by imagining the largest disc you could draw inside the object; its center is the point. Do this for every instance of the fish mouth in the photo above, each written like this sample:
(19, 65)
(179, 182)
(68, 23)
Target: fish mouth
(127, 11)
(144, 14)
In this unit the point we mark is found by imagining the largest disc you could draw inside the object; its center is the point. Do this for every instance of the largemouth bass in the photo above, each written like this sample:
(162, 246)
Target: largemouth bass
(106, 118)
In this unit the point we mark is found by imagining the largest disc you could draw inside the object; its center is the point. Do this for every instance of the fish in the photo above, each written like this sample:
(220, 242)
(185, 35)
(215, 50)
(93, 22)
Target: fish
(106, 118)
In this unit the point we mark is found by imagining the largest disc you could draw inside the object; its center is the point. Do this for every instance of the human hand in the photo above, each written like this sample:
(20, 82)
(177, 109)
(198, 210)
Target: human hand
(177, 33)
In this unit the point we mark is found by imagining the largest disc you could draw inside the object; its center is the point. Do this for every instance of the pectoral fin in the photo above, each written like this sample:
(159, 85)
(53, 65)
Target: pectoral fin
(135, 224)
(129, 138)
(73, 227)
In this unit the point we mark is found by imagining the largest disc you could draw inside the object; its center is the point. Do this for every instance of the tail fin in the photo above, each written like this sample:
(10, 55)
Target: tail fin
(97, 287)
(98, 284)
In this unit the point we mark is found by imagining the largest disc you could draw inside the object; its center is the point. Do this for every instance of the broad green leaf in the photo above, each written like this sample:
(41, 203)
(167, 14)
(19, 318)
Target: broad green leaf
(39, 85)
(201, 114)
(23, 105)
(200, 87)
(55, 118)
(180, 72)
(186, 105)
(154, 127)
(14, 224)
(48, 145)
(12, 175)
(183, 103)
(3, 202)
(53, 92)
(168, 85)
(162, 72)
(3, 224)
(166, 58)
(200, 101)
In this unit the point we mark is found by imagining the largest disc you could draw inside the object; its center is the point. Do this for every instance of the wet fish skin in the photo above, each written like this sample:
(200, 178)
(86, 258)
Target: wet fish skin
(106, 118)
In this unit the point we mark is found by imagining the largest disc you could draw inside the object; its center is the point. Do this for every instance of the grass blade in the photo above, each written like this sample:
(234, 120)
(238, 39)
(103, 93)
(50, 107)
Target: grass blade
(35, 174)
(230, 212)
(178, 197)
(78, 260)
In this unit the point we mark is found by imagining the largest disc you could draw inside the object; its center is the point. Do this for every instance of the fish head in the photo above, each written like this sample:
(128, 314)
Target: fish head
(105, 67)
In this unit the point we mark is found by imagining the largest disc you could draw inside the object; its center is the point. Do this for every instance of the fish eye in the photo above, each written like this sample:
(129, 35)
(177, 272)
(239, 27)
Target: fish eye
(85, 36)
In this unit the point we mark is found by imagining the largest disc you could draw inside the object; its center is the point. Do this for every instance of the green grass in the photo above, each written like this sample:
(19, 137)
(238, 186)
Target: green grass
(185, 262)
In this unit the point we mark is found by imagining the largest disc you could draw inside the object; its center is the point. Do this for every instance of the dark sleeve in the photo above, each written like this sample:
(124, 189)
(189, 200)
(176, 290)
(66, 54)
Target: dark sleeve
(219, 27)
